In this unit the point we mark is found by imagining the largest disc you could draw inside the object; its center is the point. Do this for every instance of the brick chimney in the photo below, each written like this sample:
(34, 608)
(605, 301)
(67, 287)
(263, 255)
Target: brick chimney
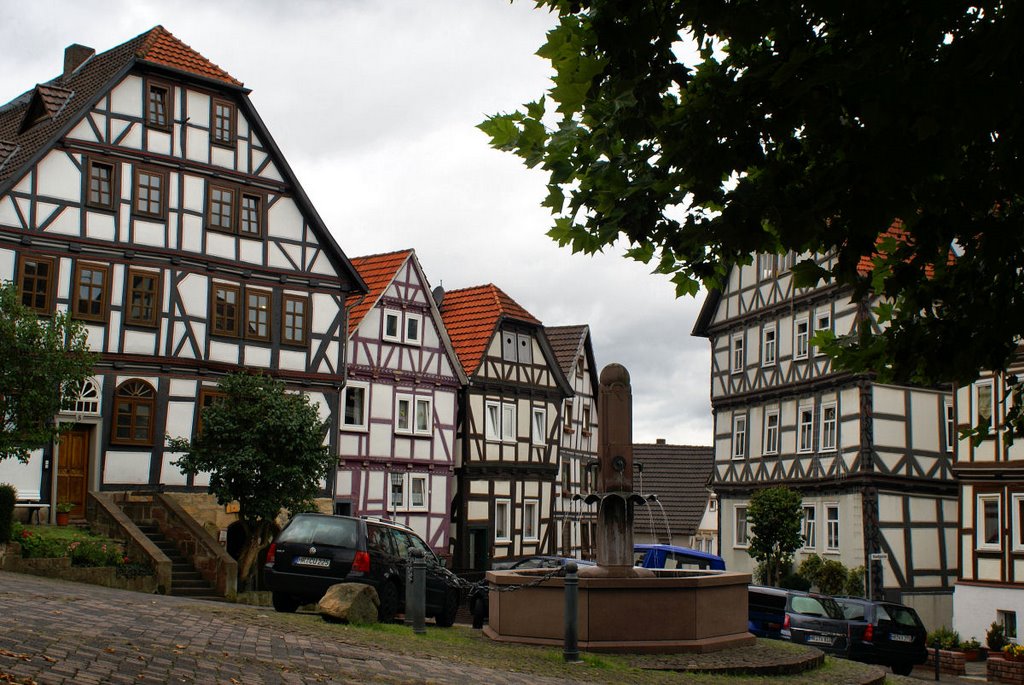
(659, 441)
(74, 56)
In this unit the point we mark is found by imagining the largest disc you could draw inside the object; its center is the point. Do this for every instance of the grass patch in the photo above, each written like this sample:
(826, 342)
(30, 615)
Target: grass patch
(83, 547)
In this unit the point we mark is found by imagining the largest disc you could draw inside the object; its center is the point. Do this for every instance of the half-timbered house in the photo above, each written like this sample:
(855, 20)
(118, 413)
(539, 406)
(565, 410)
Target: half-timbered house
(506, 454)
(141, 192)
(991, 476)
(399, 403)
(872, 461)
(575, 520)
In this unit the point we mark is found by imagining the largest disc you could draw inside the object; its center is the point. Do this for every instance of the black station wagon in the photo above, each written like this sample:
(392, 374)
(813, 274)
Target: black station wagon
(316, 551)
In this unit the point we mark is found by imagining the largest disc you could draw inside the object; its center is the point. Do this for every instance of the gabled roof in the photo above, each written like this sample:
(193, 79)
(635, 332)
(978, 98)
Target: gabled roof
(471, 316)
(568, 343)
(66, 97)
(678, 475)
(377, 271)
(156, 49)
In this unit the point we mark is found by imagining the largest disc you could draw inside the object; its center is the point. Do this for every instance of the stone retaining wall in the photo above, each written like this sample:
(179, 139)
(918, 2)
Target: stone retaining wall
(1000, 670)
(10, 560)
(950, 661)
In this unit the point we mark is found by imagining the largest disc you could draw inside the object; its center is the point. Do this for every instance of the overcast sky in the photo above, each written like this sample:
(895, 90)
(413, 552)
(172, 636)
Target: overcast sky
(374, 103)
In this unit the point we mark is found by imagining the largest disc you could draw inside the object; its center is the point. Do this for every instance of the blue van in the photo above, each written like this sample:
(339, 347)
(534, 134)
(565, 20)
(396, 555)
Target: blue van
(674, 557)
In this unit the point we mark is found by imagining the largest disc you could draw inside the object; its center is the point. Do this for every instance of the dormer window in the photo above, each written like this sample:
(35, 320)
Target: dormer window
(223, 117)
(158, 105)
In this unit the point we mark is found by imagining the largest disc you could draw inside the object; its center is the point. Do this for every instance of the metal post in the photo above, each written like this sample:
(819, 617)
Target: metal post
(571, 652)
(936, 660)
(416, 591)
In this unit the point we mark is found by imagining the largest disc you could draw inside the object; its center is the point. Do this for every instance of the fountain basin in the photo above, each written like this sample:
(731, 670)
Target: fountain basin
(674, 611)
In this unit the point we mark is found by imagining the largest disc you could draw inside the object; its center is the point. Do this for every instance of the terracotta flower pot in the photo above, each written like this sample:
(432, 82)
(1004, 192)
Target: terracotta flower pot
(63, 518)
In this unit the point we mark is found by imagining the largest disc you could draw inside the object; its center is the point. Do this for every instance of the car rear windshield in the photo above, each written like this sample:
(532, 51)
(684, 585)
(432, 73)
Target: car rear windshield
(321, 530)
(853, 611)
(900, 615)
(824, 607)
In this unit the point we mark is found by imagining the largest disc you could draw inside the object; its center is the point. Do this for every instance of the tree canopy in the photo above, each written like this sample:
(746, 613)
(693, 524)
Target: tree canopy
(263, 448)
(775, 515)
(705, 132)
(43, 363)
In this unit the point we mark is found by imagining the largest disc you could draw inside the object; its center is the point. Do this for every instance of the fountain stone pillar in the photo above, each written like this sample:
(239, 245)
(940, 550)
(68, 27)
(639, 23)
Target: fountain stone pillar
(615, 496)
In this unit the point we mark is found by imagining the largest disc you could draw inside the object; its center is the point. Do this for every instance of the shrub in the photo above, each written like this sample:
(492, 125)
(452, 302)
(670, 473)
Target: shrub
(971, 644)
(95, 553)
(832, 577)
(8, 498)
(995, 637)
(810, 568)
(855, 582)
(795, 581)
(946, 637)
(37, 546)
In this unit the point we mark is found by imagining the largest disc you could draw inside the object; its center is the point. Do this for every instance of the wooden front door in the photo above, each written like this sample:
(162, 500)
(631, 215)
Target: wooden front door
(73, 469)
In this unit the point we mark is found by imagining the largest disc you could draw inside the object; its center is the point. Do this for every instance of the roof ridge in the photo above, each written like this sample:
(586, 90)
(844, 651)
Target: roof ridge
(160, 46)
(407, 250)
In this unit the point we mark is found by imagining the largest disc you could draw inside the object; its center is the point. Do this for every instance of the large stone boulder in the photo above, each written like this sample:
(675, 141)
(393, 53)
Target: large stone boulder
(350, 602)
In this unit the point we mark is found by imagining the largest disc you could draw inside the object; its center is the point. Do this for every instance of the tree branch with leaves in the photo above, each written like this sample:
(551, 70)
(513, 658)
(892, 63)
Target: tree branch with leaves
(263, 448)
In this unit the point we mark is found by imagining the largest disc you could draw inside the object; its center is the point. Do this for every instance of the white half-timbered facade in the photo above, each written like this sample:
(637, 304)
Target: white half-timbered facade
(990, 588)
(141, 192)
(575, 520)
(872, 461)
(506, 461)
(399, 403)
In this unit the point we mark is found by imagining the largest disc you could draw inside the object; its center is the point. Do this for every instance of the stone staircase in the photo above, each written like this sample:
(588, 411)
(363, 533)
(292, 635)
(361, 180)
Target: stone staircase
(186, 581)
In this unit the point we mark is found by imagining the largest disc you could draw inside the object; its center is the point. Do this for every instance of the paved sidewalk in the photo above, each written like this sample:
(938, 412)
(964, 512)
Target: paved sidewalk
(55, 632)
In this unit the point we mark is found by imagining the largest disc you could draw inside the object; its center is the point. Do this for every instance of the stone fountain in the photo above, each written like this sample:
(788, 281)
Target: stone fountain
(622, 608)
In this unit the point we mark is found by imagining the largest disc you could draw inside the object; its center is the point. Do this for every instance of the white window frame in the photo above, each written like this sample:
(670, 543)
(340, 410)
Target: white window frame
(492, 421)
(412, 339)
(397, 315)
(805, 428)
(428, 403)
(739, 436)
(737, 353)
(415, 478)
(809, 526)
(538, 425)
(400, 483)
(949, 412)
(769, 345)
(991, 386)
(508, 422)
(503, 519)
(767, 266)
(801, 341)
(832, 539)
(409, 414)
(737, 542)
(979, 518)
(822, 322)
(771, 446)
(1017, 502)
(829, 428)
(531, 520)
(365, 388)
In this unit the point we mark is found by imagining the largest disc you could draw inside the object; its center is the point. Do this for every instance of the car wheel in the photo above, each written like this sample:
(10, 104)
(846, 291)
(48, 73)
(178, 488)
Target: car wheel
(388, 595)
(902, 669)
(286, 604)
(451, 607)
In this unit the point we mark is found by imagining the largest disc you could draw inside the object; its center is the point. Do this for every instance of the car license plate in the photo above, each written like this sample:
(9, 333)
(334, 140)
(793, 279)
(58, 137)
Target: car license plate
(901, 638)
(819, 640)
(312, 561)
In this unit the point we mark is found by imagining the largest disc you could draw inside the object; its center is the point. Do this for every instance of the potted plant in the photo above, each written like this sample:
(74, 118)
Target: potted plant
(971, 649)
(995, 638)
(1013, 652)
(64, 513)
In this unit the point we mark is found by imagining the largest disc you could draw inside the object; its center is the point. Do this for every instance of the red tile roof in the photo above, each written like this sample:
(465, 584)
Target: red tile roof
(378, 271)
(159, 46)
(471, 316)
(900, 234)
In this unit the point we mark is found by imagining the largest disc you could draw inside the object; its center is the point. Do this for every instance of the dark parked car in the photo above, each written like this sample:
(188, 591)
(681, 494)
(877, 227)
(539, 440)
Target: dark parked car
(807, 618)
(316, 551)
(885, 633)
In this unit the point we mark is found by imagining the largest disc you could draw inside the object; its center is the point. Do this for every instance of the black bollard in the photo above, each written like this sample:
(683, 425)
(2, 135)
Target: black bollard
(571, 652)
(416, 591)
(936, 661)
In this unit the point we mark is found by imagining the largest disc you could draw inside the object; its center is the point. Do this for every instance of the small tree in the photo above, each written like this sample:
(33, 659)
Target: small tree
(43, 363)
(775, 515)
(264, 448)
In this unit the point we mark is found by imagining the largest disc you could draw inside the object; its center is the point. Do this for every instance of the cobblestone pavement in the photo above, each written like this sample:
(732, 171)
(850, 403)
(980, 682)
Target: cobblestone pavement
(55, 632)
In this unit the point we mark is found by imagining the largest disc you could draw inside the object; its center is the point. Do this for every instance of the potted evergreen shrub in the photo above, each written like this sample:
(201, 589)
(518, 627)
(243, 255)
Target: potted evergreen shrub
(995, 638)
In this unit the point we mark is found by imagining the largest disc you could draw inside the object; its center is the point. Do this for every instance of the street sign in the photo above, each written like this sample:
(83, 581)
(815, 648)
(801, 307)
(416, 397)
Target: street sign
(880, 556)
